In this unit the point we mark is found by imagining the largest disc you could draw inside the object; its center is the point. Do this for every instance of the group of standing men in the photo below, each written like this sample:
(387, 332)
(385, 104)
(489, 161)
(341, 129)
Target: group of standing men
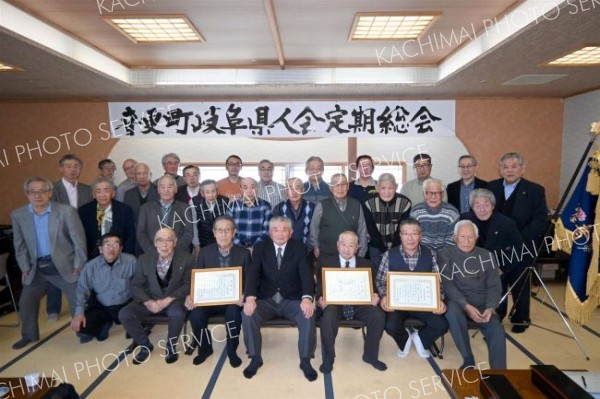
(275, 232)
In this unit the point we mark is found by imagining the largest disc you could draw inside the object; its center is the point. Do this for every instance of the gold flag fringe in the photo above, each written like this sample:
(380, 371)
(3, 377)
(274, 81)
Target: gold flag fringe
(579, 312)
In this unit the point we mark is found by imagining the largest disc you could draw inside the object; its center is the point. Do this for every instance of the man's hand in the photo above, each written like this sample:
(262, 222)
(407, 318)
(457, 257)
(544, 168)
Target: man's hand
(316, 252)
(165, 302)
(487, 315)
(76, 272)
(250, 306)
(441, 310)
(322, 303)
(152, 306)
(474, 314)
(188, 303)
(307, 308)
(24, 276)
(77, 322)
(374, 299)
(383, 304)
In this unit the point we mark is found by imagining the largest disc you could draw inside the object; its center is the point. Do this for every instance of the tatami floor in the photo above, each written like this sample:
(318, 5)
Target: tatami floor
(98, 369)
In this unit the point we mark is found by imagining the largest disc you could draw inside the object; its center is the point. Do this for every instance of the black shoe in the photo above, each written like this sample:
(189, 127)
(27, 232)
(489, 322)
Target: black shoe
(518, 329)
(253, 367)
(326, 367)
(379, 365)
(143, 354)
(202, 356)
(103, 334)
(84, 338)
(234, 360)
(307, 369)
(23, 342)
(171, 355)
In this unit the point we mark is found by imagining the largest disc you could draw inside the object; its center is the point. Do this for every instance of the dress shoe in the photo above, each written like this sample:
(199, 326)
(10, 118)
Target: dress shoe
(84, 338)
(202, 356)
(171, 355)
(23, 342)
(52, 317)
(103, 334)
(143, 354)
(307, 369)
(424, 353)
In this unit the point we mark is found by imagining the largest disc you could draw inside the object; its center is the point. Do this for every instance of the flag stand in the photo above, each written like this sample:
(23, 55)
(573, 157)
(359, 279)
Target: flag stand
(531, 270)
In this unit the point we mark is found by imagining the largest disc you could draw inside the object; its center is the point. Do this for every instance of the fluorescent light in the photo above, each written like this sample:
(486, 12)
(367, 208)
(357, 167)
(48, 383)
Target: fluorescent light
(398, 25)
(8, 68)
(157, 29)
(586, 56)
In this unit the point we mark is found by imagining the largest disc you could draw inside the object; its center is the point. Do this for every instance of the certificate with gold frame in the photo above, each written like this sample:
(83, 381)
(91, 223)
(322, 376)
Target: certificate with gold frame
(216, 286)
(413, 291)
(347, 286)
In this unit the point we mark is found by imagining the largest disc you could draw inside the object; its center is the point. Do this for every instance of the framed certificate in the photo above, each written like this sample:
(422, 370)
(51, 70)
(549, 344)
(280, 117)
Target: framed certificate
(216, 286)
(348, 286)
(413, 291)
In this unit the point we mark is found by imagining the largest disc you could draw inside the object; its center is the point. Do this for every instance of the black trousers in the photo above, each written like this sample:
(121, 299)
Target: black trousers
(372, 316)
(96, 315)
(435, 326)
(233, 324)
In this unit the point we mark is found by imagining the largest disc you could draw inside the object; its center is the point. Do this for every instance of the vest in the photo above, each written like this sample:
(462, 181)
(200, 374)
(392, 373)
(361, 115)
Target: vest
(398, 264)
(332, 223)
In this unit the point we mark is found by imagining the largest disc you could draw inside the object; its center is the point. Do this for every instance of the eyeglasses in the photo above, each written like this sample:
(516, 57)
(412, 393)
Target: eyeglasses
(422, 166)
(433, 193)
(234, 164)
(466, 166)
(111, 245)
(223, 231)
(37, 192)
(410, 234)
(164, 240)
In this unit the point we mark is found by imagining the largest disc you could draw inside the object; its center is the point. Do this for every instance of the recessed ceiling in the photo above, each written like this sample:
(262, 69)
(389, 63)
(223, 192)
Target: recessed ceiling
(292, 49)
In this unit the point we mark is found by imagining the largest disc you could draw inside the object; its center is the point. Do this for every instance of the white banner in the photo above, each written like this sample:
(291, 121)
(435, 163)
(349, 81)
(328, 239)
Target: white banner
(283, 119)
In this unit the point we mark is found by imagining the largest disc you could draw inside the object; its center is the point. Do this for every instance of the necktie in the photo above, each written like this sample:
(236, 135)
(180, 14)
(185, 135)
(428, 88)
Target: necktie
(99, 217)
(348, 310)
(279, 257)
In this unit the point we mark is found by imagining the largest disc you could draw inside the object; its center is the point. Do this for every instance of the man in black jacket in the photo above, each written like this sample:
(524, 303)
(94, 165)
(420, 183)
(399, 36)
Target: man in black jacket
(524, 202)
(279, 283)
(458, 191)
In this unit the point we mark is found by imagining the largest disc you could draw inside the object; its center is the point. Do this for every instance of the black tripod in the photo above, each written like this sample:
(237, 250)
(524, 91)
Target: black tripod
(530, 270)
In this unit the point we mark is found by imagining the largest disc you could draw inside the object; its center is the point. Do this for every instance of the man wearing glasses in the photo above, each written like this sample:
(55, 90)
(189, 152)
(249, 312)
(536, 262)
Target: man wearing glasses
(437, 218)
(269, 190)
(170, 163)
(458, 191)
(413, 189)
(50, 250)
(103, 288)
(231, 186)
(160, 284)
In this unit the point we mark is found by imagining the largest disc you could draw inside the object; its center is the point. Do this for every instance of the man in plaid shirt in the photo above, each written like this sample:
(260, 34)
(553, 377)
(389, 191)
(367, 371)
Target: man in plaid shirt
(251, 215)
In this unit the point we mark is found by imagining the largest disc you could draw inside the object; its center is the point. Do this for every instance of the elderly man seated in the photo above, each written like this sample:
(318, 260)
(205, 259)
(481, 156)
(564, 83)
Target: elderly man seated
(103, 289)
(471, 281)
(160, 285)
(371, 315)
(410, 256)
(222, 253)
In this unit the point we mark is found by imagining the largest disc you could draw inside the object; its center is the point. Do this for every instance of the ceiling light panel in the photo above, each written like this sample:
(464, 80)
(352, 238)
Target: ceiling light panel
(8, 68)
(157, 29)
(391, 26)
(589, 55)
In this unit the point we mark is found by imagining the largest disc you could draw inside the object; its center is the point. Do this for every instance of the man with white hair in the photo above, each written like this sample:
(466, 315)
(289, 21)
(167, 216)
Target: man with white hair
(269, 190)
(129, 182)
(471, 282)
(251, 216)
(170, 163)
(437, 218)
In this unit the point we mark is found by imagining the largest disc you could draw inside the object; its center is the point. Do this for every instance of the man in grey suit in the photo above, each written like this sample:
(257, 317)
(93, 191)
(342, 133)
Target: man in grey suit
(160, 285)
(50, 249)
(68, 191)
(166, 212)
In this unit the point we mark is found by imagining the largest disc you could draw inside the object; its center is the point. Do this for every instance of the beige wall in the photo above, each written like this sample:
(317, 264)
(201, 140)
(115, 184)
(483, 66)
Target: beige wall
(486, 127)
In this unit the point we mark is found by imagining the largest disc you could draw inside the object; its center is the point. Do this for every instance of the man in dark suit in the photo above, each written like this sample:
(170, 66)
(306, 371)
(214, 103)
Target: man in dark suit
(279, 283)
(68, 191)
(524, 202)
(223, 253)
(160, 285)
(458, 191)
(166, 212)
(371, 315)
(50, 251)
(105, 215)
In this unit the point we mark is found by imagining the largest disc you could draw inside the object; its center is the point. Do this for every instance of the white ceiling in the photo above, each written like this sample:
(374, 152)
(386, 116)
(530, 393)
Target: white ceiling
(69, 53)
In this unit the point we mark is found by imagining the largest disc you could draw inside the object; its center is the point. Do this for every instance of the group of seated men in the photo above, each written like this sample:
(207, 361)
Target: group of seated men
(120, 261)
